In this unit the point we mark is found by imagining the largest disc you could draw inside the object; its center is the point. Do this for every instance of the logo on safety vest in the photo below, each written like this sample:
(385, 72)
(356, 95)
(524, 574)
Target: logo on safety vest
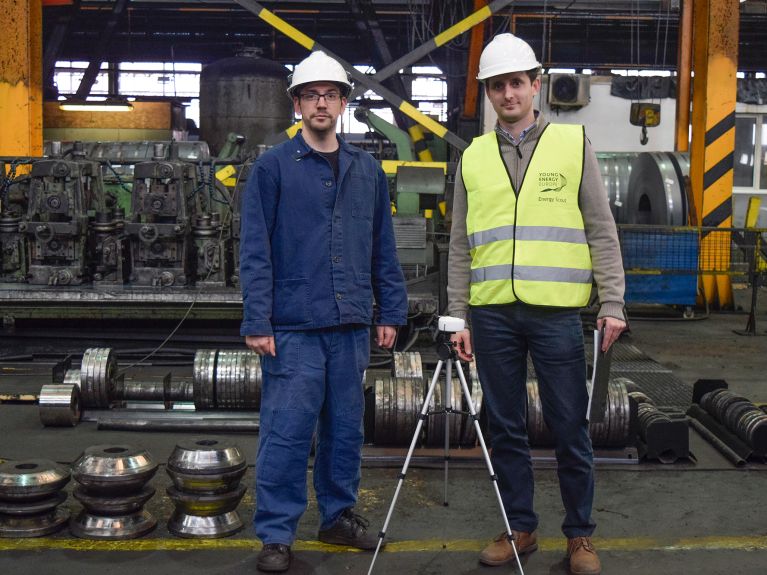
(551, 181)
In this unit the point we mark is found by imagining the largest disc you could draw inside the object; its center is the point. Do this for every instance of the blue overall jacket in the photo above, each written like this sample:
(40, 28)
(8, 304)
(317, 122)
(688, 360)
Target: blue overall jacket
(314, 251)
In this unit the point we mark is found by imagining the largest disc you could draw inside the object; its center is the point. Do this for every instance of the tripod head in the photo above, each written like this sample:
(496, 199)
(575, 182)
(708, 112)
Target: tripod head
(447, 326)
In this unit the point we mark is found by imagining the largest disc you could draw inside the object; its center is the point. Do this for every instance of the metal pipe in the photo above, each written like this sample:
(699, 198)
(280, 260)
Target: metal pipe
(207, 425)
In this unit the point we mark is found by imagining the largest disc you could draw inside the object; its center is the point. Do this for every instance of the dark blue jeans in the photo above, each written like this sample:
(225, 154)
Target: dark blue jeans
(315, 381)
(502, 337)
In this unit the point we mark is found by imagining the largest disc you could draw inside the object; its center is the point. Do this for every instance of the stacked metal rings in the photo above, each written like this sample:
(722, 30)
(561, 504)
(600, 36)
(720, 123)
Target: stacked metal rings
(227, 379)
(739, 415)
(206, 488)
(30, 496)
(112, 487)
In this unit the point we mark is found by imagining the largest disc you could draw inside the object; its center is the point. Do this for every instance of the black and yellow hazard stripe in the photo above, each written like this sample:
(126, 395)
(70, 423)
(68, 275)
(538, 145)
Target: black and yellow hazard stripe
(419, 143)
(719, 153)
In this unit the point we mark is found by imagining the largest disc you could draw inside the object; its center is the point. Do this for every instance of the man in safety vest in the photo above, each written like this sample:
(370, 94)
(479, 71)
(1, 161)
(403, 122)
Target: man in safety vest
(531, 229)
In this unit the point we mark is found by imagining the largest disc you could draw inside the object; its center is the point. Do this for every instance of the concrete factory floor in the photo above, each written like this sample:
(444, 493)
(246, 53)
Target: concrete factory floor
(703, 516)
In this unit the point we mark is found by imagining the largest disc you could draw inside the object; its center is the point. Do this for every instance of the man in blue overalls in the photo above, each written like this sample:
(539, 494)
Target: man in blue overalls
(317, 248)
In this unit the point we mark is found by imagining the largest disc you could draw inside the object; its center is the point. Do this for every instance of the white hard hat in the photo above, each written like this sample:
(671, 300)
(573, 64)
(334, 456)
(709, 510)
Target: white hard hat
(319, 67)
(504, 54)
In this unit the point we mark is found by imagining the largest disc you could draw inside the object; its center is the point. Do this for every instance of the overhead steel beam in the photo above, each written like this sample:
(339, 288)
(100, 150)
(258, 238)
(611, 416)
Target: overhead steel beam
(405, 107)
(367, 23)
(92, 72)
(442, 38)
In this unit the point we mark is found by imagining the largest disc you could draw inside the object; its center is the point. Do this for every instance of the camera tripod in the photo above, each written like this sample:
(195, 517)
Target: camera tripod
(447, 358)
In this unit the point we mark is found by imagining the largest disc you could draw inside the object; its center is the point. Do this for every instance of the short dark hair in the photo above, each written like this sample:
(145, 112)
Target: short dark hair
(533, 74)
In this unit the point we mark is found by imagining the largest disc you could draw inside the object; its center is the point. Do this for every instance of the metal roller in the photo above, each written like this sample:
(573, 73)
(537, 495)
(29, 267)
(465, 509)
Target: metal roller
(206, 504)
(131, 526)
(211, 527)
(31, 479)
(165, 391)
(14, 526)
(469, 433)
(657, 193)
(97, 377)
(113, 505)
(739, 415)
(72, 377)
(398, 403)
(380, 385)
(114, 469)
(253, 381)
(204, 379)
(59, 405)
(613, 431)
(407, 364)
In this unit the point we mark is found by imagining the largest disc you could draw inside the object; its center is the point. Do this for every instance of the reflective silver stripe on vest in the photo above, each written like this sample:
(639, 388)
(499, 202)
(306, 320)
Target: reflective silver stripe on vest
(528, 233)
(532, 273)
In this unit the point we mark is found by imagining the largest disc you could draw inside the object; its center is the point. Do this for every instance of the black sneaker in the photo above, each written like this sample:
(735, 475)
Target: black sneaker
(274, 558)
(350, 530)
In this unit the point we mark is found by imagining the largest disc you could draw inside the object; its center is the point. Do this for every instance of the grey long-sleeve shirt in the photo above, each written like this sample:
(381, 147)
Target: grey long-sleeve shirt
(601, 234)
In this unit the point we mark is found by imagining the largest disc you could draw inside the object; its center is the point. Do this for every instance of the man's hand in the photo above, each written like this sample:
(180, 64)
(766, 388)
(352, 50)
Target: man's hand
(385, 335)
(261, 344)
(613, 328)
(462, 344)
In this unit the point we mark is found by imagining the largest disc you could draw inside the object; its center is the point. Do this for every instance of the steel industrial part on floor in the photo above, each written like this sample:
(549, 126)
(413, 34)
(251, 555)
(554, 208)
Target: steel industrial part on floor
(698, 516)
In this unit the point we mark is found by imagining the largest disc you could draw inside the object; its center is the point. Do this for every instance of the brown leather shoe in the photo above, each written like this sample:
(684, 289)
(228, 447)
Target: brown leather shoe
(583, 557)
(500, 550)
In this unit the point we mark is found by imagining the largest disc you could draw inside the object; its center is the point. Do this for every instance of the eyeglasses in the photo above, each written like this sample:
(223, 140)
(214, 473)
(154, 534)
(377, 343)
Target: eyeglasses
(314, 97)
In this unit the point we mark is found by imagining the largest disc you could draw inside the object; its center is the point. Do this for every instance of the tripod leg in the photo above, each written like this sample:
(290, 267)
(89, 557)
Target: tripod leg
(493, 476)
(447, 395)
(422, 417)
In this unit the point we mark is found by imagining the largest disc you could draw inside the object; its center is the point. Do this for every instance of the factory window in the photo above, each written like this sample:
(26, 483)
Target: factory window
(763, 162)
(69, 74)
(429, 90)
(745, 148)
(159, 79)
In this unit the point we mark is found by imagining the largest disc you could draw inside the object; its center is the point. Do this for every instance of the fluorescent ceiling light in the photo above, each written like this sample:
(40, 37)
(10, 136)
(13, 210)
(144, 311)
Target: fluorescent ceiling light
(95, 106)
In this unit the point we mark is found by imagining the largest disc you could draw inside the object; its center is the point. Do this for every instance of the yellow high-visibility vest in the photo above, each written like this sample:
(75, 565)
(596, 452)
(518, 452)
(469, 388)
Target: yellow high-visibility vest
(529, 246)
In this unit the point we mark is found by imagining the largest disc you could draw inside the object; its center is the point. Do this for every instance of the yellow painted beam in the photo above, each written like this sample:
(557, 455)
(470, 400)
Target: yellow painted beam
(715, 25)
(391, 166)
(21, 78)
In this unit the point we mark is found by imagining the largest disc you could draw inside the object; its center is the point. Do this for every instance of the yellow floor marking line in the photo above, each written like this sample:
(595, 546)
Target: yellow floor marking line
(712, 543)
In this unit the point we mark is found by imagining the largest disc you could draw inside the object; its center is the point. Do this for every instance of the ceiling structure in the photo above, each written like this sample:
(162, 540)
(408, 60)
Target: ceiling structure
(572, 34)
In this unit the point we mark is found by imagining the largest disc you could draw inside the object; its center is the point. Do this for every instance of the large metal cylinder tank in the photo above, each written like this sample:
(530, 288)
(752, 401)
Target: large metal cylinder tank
(658, 189)
(247, 95)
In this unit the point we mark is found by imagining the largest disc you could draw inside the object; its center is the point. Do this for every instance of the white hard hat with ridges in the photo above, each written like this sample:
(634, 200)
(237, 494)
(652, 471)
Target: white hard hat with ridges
(319, 67)
(504, 54)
